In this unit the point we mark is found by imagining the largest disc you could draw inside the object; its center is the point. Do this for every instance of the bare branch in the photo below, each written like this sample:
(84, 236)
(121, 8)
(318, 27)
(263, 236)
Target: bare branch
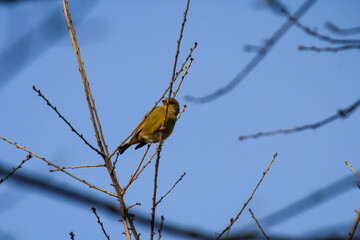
(67, 122)
(342, 31)
(329, 49)
(14, 169)
(183, 76)
(347, 163)
(72, 235)
(76, 167)
(153, 209)
(100, 223)
(233, 220)
(340, 114)
(98, 132)
(318, 35)
(90, 100)
(135, 204)
(357, 219)
(255, 61)
(170, 188)
(257, 222)
(58, 167)
(161, 226)
(134, 175)
(181, 112)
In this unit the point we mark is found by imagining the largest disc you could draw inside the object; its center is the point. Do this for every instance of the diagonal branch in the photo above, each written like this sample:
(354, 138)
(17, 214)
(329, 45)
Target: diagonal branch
(183, 76)
(67, 122)
(171, 189)
(127, 219)
(100, 223)
(347, 163)
(340, 114)
(357, 219)
(257, 222)
(233, 220)
(89, 98)
(16, 168)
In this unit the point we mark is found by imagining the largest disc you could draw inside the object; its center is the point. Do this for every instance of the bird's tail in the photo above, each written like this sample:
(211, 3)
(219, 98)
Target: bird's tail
(124, 147)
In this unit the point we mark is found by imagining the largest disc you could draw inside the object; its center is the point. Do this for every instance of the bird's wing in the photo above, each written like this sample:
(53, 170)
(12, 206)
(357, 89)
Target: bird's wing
(154, 120)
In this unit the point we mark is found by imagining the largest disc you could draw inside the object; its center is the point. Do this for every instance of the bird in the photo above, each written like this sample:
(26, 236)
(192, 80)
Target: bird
(150, 130)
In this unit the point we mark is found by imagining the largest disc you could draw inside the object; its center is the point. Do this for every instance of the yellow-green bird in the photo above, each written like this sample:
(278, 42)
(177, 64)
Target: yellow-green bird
(150, 130)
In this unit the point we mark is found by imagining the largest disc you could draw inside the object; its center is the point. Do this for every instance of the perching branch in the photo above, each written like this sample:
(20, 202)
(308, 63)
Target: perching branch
(153, 208)
(157, 102)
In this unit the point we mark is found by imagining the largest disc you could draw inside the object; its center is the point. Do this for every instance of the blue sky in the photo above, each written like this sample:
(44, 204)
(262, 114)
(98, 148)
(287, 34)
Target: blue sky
(128, 49)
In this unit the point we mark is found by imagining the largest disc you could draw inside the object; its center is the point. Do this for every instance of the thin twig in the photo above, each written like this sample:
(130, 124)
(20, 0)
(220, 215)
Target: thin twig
(181, 112)
(315, 34)
(347, 163)
(342, 31)
(183, 76)
(233, 220)
(186, 60)
(67, 122)
(328, 49)
(357, 219)
(257, 222)
(254, 61)
(72, 236)
(76, 167)
(139, 172)
(153, 209)
(340, 114)
(116, 159)
(170, 189)
(132, 178)
(58, 167)
(161, 226)
(135, 204)
(16, 168)
(100, 223)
